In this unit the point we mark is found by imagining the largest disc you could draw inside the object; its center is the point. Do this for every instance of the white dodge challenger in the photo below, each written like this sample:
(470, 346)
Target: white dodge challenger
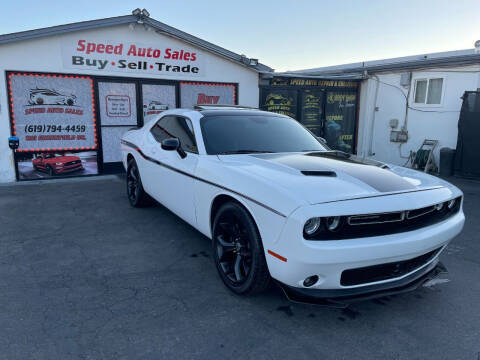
(278, 204)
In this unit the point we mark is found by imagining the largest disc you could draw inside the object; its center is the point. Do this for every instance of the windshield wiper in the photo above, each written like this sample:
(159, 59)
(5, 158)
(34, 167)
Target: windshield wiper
(340, 153)
(243, 152)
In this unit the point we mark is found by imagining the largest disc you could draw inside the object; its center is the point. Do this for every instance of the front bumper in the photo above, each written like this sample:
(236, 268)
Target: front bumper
(330, 259)
(341, 298)
(69, 168)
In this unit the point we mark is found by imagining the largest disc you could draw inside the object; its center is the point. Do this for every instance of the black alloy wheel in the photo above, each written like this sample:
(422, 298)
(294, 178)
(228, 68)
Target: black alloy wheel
(238, 250)
(135, 192)
(51, 171)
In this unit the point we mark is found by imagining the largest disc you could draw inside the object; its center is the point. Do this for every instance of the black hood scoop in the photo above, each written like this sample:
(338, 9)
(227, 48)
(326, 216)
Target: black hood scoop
(319, 173)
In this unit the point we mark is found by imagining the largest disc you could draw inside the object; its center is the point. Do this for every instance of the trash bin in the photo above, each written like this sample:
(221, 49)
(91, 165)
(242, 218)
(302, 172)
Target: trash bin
(447, 160)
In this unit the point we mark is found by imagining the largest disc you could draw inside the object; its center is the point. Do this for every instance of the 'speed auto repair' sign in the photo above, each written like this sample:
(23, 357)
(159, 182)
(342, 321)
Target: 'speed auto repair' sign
(128, 57)
(51, 112)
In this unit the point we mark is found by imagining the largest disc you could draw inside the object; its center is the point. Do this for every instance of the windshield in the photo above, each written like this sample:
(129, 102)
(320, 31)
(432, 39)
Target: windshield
(230, 134)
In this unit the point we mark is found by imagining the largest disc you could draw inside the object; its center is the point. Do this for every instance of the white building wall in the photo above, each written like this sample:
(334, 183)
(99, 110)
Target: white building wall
(437, 122)
(45, 55)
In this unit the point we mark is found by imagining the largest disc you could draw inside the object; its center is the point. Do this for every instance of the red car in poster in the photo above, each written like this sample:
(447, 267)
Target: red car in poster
(55, 165)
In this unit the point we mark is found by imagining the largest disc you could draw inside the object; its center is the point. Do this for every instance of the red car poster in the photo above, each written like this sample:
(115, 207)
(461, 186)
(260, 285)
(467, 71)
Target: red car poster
(41, 165)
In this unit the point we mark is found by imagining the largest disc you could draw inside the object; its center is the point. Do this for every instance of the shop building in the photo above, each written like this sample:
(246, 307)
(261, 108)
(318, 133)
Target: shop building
(72, 90)
(399, 103)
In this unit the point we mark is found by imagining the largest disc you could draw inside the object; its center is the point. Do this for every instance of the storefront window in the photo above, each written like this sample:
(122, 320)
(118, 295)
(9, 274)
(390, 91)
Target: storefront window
(118, 113)
(193, 93)
(53, 117)
(280, 101)
(340, 120)
(311, 110)
(328, 108)
(157, 98)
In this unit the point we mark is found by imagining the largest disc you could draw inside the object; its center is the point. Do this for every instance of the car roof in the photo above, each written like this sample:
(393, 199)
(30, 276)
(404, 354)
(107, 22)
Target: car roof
(198, 114)
(235, 112)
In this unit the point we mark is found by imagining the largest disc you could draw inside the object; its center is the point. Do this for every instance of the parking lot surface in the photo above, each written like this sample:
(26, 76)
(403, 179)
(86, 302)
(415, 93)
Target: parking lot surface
(85, 276)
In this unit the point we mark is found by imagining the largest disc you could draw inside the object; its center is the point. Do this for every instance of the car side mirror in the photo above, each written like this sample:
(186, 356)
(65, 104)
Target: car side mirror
(322, 140)
(173, 144)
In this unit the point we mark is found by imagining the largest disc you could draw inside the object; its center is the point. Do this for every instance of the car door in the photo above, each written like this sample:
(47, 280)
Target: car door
(171, 178)
(41, 162)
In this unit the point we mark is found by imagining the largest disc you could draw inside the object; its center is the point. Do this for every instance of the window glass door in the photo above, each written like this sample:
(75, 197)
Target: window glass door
(118, 113)
(340, 120)
(312, 110)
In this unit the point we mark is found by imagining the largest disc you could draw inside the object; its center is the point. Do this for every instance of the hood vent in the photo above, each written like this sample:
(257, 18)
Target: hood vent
(319, 173)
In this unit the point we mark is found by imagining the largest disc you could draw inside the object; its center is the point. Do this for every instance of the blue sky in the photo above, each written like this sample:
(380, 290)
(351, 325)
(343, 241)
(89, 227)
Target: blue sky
(286, 35)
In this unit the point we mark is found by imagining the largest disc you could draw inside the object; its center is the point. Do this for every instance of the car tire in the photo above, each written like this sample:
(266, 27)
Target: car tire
(69, 102)
(135, 192)
(51, 171)
(238, 251)
(40, 101)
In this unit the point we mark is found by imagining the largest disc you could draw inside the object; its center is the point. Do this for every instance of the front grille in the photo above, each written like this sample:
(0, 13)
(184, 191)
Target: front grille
(376, 218)
(387, 271)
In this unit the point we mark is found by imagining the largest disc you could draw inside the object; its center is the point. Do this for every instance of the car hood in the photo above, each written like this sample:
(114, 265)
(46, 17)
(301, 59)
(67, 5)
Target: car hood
(329, 176)
(62, 159)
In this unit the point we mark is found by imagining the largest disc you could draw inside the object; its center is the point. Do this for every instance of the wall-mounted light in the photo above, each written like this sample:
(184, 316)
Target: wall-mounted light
(141, 15)
(249, 62)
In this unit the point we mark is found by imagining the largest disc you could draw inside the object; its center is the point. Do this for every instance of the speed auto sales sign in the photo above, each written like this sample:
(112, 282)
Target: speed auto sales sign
(51, 112)
(104, 55)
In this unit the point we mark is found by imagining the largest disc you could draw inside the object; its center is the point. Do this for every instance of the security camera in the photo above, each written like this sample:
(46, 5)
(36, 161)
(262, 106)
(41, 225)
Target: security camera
(13, 142)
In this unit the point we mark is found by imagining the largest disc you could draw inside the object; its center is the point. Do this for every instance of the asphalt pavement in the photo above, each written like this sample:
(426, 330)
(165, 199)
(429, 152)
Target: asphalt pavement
(85, 276)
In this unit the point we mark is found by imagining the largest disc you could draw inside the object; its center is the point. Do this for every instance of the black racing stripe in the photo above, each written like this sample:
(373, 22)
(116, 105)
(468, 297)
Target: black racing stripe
(369, 172)
(148, 158)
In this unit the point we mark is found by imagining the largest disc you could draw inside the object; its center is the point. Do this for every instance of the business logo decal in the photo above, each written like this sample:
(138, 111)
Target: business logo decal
(128, 57)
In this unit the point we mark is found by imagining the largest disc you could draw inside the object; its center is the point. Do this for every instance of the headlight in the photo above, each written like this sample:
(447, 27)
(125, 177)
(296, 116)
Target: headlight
(439, 207)
(333, 223)
(58, 164)
(451, 203)
(378, 224)
(312, 225)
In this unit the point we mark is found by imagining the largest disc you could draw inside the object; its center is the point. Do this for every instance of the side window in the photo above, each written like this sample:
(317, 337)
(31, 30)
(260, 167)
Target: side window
(176, 127)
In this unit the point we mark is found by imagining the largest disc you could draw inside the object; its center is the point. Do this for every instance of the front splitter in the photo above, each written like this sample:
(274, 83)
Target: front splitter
(341, 298)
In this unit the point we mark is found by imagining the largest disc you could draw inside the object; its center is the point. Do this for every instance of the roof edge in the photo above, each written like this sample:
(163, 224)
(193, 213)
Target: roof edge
(459, 60)
(127, 19)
